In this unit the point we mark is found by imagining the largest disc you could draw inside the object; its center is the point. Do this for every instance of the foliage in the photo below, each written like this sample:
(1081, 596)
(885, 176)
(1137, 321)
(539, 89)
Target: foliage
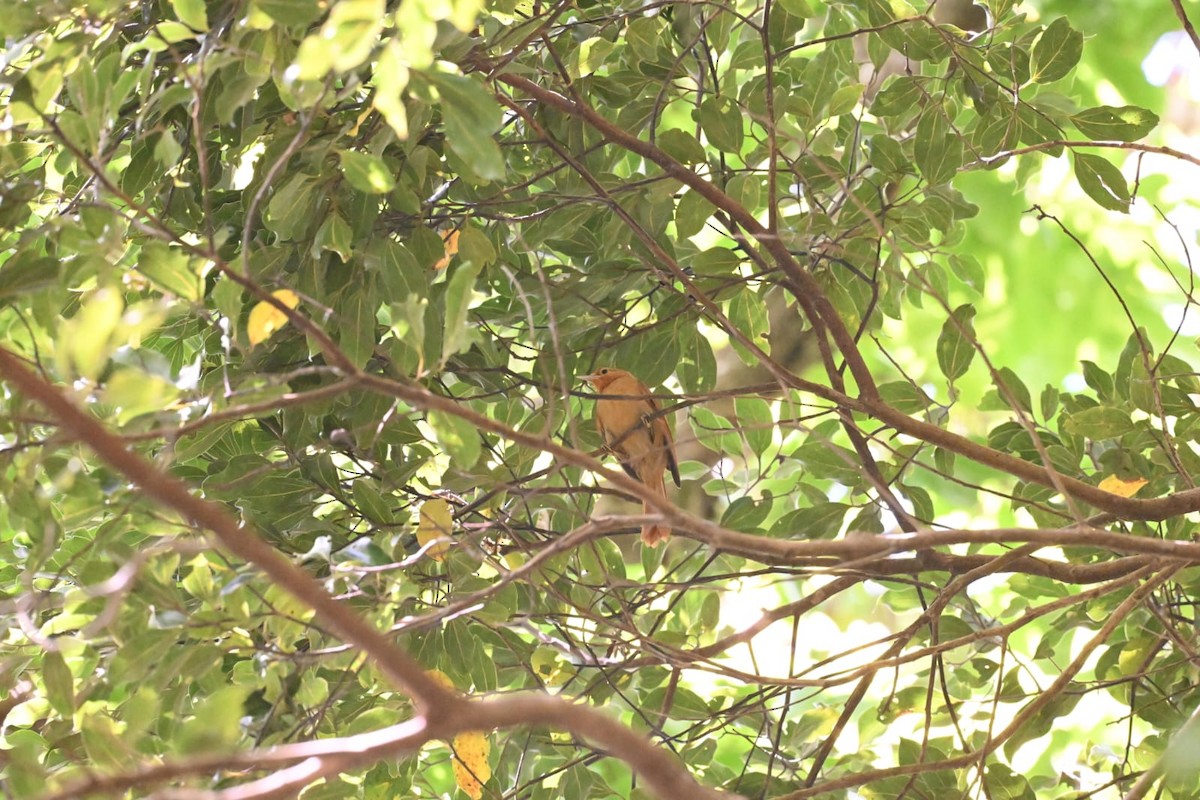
(335, 267)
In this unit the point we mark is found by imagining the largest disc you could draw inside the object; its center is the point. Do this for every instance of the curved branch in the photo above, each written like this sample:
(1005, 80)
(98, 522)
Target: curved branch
(442, 712)
(305, 762)
(810, 294)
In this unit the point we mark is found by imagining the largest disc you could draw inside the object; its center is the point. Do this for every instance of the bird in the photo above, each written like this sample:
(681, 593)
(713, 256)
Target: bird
(633, 429)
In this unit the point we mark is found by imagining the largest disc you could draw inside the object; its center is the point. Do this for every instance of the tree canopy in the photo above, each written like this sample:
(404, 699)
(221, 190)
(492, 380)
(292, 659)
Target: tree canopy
(302, 493)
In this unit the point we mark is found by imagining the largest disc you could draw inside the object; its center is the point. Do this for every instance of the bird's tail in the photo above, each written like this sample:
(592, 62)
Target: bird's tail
(653, 534)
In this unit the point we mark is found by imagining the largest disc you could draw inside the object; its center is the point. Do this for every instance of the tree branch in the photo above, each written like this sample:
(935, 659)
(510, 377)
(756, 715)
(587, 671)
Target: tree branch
(442, 712)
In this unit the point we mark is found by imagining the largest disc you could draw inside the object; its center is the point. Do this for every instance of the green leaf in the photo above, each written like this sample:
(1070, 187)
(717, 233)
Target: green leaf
(955, 344)
(746, 191)
(755, 422)
(905, 396)
(471, 116)
(717, 262)
(938, 151)
(167, 150)
(371, 502)
(297, 14)
(457, 437)
(1102, 181)
(334, 235)
(92, 330)
(459, 293)
(197, 444)
(345, 39)
(714, 431)
(887, 156)
(366, 172)
(821, 79)
(591, 56)
(60, 684)
(921, 501)
(868, 519)
(682, 146)
(1099, 380)
(1056, 52)
(291, 209)
(822, 521)
(968, 270)
(191, 13)
(408, 328)
(1100, 422)
(830, 461)
(691, 214)
(1016, 388)
(133, 392)
(475, 246)
(749, 313)
(227, 296)
(901, 96)
(697, 366)
(1049, 402)
(391, 79)
(798, 8)
(355, 329)
(746, 514)
(721, 122)
(169, 32)
(101, 742)
(399, 272)
(24, 273)
(140, 711)
(215, 724)
(1037, 127)
(170, 269)
(651, 355)
(996, 131)
(1120, 123)
(845, 99)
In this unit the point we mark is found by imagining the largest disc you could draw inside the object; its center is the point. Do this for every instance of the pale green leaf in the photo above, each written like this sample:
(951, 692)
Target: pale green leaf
(1122, 123)
(191, 13)
(367, 173)
(1100, 422)
(459, 296)
(457, 437)
(171, 270)
(471, 116)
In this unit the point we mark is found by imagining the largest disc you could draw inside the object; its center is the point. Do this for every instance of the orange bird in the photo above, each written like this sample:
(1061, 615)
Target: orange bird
(634, 431)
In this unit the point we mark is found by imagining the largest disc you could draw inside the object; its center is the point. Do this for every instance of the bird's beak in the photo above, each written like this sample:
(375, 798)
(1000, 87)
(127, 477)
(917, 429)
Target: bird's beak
(588, 378)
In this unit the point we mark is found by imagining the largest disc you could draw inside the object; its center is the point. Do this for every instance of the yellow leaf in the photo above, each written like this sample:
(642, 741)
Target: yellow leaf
(450, 245)
(442, 678)
(265, 318)
(1119, 486)
(436, 523)
(471, 769)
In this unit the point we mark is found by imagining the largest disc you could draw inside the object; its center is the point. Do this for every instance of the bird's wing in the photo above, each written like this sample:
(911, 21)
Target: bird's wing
(615, 447)
(660, 435)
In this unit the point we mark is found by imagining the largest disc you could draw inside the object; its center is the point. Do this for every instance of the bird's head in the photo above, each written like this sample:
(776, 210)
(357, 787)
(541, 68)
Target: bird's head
(601, 378)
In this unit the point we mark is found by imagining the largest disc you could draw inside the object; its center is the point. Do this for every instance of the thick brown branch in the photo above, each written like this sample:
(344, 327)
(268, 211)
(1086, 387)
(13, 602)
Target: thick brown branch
(810, 295)
(243, 542)
(443, 712)
(1129, 508)
(658, 768)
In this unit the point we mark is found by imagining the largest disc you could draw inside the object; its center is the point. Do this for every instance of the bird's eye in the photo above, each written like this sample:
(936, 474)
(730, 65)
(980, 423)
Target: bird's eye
(604, 371)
